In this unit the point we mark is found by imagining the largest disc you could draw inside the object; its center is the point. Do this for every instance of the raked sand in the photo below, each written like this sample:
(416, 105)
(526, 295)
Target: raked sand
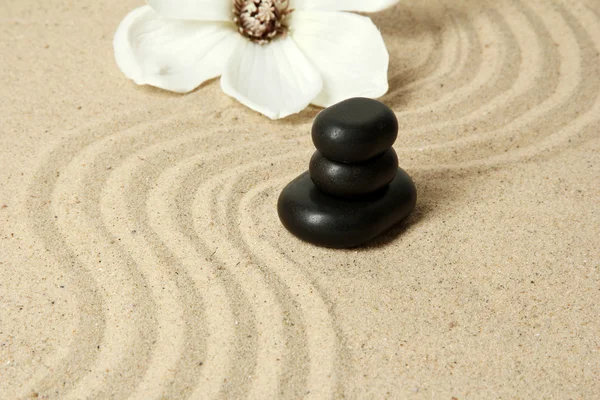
(141, 256)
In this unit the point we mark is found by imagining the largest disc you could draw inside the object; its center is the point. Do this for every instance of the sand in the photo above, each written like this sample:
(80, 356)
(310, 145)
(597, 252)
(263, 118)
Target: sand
(141, 255)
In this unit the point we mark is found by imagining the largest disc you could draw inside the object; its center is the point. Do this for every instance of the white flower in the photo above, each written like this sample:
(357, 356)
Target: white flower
(274, 56)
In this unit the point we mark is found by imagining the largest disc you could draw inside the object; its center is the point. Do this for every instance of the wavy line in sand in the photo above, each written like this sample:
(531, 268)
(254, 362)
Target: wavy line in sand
(72, 362)
(313, 314)
(476, 71)
(219, 317)
(507, 137)
(321, 336)
(255, 219)
(266, 366)
(529, 82)
(161, 198)
(69, 203)
(444, 58)
(116, 204)
(116, 267)
(146, 157)
(114, 216)
(267, 310)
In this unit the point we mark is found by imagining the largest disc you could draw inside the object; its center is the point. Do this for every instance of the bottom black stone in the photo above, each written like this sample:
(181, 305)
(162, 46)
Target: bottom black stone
(324, 220)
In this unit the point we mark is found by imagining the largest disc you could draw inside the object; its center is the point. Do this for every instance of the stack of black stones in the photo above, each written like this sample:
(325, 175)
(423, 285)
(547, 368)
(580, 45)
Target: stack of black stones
(354, 190)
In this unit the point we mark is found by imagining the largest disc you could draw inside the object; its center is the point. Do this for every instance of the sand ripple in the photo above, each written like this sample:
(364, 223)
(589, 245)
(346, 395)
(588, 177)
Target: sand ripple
(165, 226)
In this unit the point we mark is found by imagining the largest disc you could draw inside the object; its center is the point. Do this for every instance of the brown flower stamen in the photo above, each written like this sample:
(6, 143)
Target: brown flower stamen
(261, 20)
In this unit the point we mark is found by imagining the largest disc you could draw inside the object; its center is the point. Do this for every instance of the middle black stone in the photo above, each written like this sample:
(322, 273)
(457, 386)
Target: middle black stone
(350, 180)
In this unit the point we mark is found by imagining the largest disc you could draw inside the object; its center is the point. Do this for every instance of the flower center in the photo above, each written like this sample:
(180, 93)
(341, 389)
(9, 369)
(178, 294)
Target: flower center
(261, 20)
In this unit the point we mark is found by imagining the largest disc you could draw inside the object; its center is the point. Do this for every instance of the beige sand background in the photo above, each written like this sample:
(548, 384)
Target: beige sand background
(141, 255)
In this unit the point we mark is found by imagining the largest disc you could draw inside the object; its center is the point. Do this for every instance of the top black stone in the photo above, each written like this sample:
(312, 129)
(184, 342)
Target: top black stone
(355, 130)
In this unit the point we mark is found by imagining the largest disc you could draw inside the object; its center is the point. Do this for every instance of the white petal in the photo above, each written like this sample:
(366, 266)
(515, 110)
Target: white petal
(172, 54)
(274, 79)
(348, 51)
(202, 10)
(343, 5)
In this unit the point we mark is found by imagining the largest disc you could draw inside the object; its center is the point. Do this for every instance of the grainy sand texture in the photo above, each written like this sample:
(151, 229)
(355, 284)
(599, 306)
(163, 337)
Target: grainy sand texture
(141, 256)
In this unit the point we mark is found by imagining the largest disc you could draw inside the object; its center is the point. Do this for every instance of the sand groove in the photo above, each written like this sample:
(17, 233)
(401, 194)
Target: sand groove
(266, 310)
(92, 325)
(164, 226)
(511, 135)
(314, 317)
(321, 338)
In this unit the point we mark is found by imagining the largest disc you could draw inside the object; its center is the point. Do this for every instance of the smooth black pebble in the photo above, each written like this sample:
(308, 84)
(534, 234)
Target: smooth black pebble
(324, 220)
(355, 130)
(349, 180)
